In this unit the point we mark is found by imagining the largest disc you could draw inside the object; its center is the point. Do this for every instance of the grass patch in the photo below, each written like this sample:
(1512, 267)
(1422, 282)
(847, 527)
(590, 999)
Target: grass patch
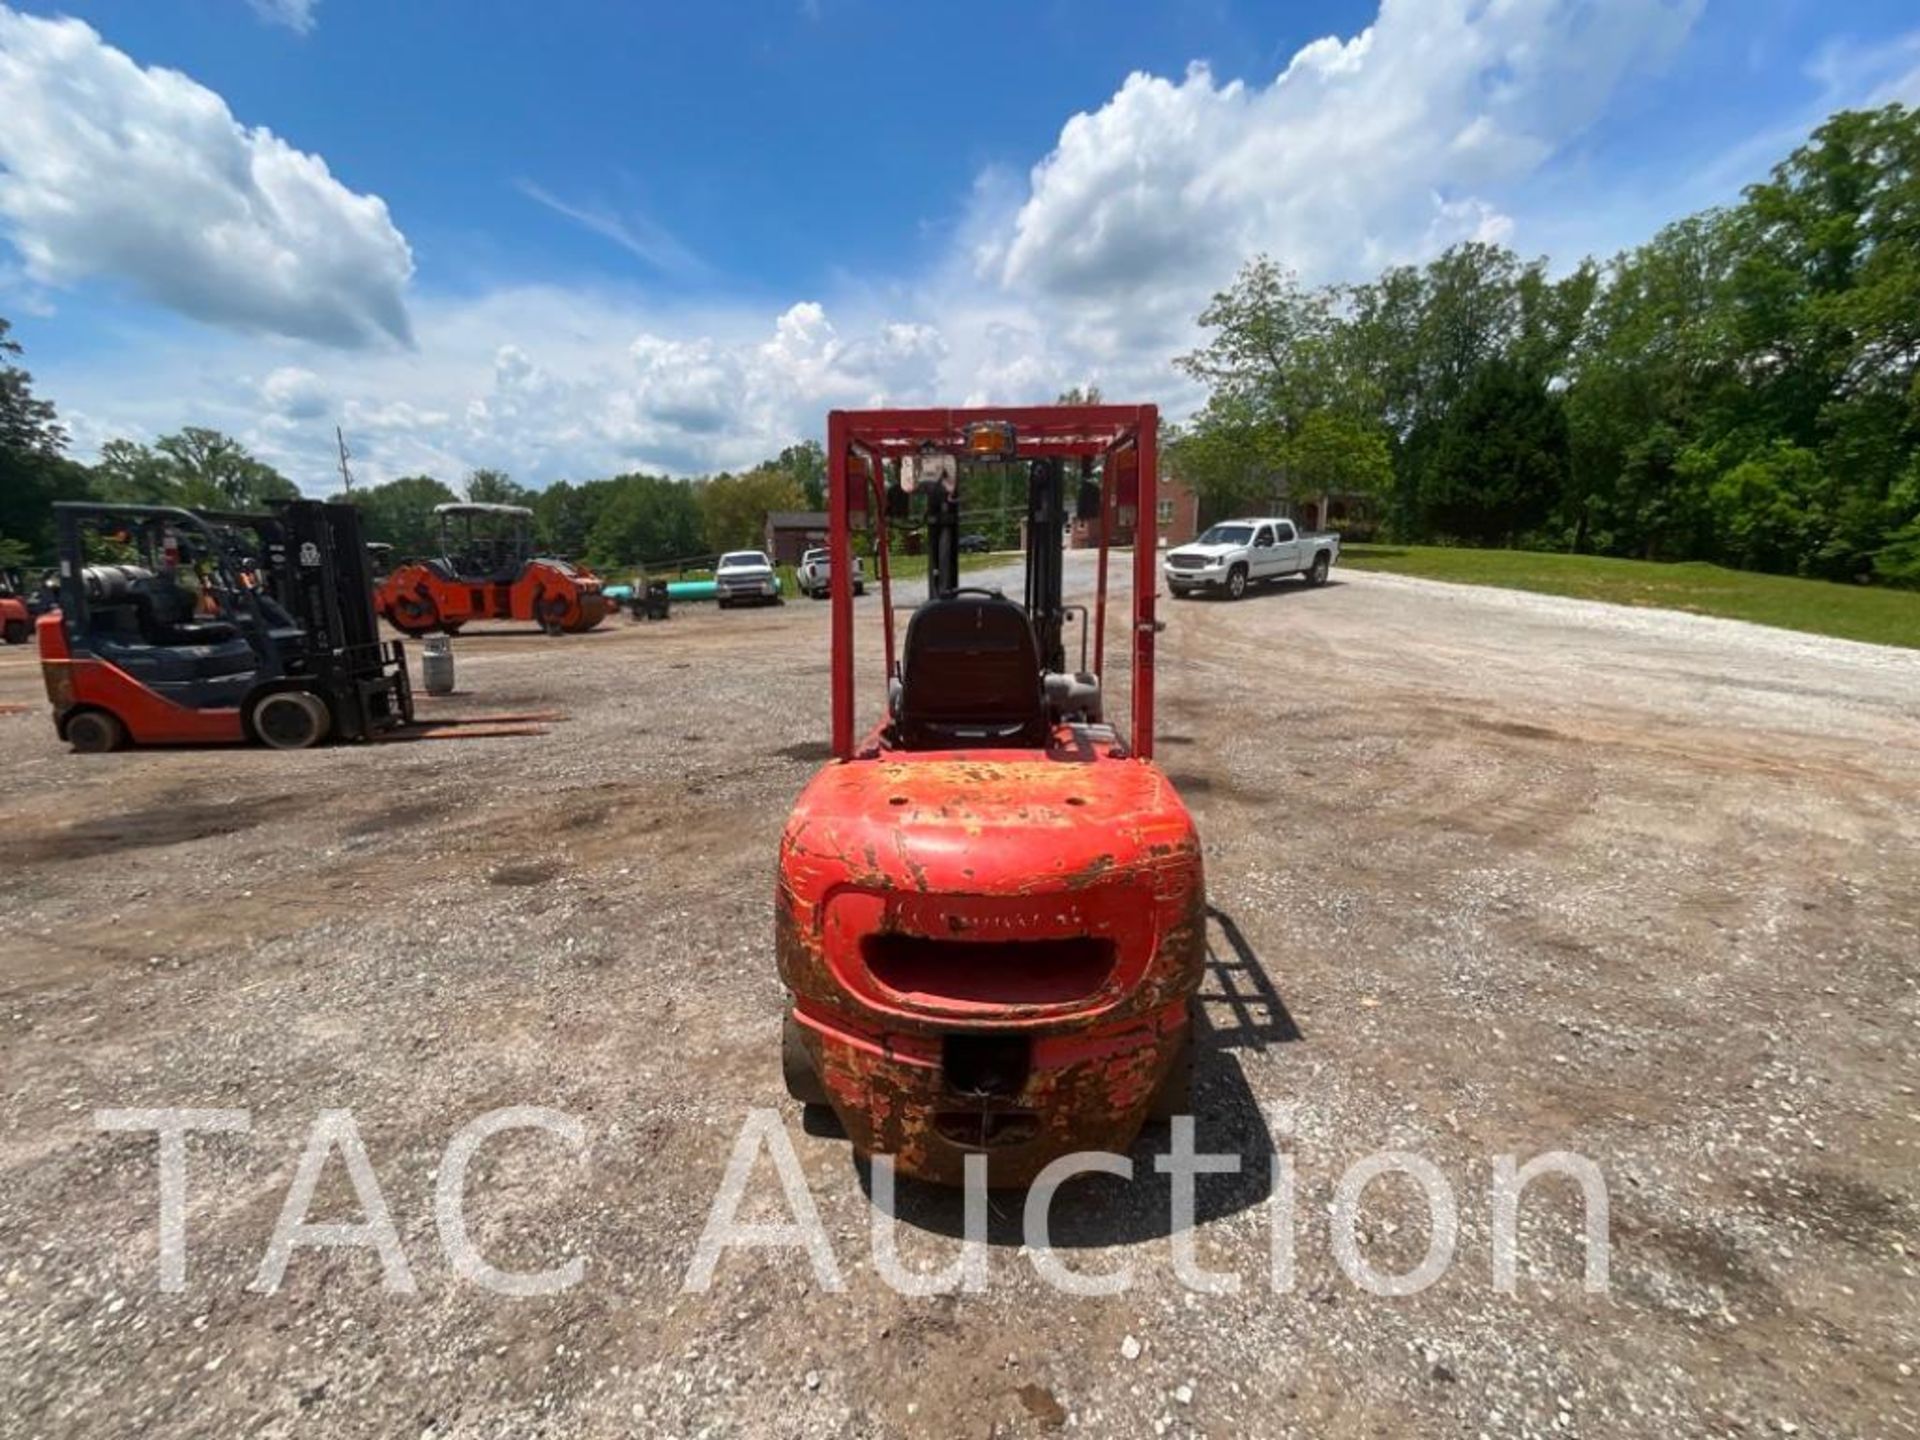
(1851, 612)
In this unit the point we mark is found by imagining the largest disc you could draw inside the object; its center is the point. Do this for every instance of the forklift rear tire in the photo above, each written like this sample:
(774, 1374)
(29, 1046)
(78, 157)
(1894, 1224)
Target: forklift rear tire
(18, 632)
(796, 1066)
(95, 732)
(290, 719)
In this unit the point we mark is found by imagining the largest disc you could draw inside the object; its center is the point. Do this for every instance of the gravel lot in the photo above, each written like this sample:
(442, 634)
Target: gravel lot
(1494, 874)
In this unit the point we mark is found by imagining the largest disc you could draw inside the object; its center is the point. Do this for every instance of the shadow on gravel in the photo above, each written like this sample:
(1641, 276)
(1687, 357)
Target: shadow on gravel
(1239, 1009)
(1288, 585)
(808, 752)
(172, 820)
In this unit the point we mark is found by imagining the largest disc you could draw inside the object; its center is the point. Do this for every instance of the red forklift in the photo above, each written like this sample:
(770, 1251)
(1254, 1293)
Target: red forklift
(990, 912)
(16, 621)
(178, 627)
(487, 570)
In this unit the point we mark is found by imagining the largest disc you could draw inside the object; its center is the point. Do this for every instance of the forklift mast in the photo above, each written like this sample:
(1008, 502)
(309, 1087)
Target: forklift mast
(1046, 561)
(311, 560)
(1045, 512)
(865, 447)
(324, 578)
(943, 543)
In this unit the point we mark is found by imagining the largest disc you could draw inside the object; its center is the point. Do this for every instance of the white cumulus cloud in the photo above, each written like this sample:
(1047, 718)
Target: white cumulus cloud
(1440, 122)
(295, 393)
(295, 15)
(142, 175)
(1362, 152)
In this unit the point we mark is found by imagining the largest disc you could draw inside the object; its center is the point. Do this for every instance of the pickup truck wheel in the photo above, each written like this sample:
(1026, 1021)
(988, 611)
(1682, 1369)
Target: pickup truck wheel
(859, 587)
(1317, 572)
(1236, 582)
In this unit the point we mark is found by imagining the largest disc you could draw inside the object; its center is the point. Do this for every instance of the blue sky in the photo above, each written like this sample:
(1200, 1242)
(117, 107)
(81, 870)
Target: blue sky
(572, 238)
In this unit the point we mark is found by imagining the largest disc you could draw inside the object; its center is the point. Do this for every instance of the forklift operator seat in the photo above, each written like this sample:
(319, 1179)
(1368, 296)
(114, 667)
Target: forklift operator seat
(970, 675)
(124, 599)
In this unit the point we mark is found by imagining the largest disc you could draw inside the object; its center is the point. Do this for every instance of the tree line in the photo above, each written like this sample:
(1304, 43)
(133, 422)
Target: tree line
(615, 523)
(1744, 388)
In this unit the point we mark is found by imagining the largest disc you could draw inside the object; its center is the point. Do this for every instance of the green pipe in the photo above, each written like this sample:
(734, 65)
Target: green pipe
(690, 589)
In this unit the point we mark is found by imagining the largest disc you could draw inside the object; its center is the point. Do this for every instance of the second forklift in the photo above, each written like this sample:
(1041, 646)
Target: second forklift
(178, 627)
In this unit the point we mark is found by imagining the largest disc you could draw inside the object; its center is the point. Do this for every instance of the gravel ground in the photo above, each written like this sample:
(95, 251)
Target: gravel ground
(1493, 874)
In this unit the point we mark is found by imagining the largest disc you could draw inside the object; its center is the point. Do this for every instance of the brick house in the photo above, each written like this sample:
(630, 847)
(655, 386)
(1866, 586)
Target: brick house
(1177, 520)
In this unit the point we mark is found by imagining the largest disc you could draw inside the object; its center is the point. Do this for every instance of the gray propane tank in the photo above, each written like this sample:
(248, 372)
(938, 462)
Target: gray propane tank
(436, 665)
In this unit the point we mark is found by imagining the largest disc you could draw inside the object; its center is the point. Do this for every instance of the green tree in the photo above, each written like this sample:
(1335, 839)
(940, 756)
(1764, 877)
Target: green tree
(645, 520)
(1766, 508)
(1655, 358)
(131, 473)
(33, 471)
(1334, 453)
(1272, 353)
(563, 516)
(28, 423)
(1744, 387)
(1826, 305)
(496, 487)
(400, 513)
(1496, 460)
(1898, 560)
(1231, 455)
(216, 471)
(806, 463)
(733, 508)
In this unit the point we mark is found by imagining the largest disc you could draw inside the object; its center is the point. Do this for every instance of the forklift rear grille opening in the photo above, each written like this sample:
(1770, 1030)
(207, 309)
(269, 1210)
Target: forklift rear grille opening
(989, 972)
(986, 1065)
(974, 1130)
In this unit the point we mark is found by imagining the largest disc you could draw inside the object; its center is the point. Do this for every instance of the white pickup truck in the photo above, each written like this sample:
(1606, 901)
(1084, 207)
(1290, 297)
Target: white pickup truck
(745, 577)
(814, 574)
(1237, 553)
